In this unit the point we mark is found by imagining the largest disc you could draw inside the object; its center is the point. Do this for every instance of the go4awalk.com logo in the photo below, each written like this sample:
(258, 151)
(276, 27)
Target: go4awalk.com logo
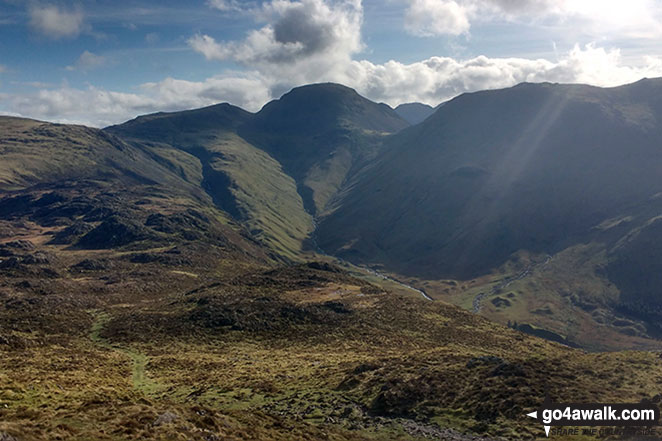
(640, 415)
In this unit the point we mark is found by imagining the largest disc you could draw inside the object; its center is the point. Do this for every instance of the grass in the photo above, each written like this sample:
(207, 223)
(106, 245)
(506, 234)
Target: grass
(270, 207)
(569, 295)
(147, 356)
(133, 347)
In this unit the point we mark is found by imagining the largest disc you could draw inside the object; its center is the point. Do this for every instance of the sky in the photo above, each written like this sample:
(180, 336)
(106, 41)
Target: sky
(102, 62)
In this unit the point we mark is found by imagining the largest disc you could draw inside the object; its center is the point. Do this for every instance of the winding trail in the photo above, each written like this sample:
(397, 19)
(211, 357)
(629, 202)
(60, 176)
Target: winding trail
(477, 303)
(391, 279)
(139, 361)
(313, 239)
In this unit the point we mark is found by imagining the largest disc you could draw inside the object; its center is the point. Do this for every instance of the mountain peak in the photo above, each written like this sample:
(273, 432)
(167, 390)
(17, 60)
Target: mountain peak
(320, 107)
(414, 113)
(329, 87)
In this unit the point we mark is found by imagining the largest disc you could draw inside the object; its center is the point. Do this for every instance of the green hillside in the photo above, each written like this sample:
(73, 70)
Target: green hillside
(241, 179)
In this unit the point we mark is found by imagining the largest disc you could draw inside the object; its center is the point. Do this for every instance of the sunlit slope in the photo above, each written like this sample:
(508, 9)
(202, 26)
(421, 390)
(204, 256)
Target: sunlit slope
(242, 180)
(85, 189)
(35, 152)
(322, 134)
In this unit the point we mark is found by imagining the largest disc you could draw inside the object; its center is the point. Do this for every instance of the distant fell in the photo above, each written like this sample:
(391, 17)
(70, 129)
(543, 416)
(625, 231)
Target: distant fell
(414, 113)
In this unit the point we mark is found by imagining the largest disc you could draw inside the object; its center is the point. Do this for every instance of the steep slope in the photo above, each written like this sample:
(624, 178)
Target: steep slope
(534, 167)
(538, 167)
(321, 134)
(87, 189)
(133, 307)
(414, 113)
(242, 180)
(36, 152)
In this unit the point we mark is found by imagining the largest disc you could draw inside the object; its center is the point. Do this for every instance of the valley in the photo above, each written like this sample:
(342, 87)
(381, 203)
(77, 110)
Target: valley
(327, 269)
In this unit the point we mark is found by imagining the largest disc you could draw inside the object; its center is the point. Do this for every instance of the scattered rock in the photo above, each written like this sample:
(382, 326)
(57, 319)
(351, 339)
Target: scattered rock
(484, 360)
(51, 198)
(6, 252)
(508, 370)
(91, 265)
(20, 245)
(36, 259)
(165, 418)
(189, 224)
(11, 263)
(323, 266)
(337, 307)
(114, 232)
(365, 367)
(70, 234)
(500, 302)
(49, 273)
(7, 437)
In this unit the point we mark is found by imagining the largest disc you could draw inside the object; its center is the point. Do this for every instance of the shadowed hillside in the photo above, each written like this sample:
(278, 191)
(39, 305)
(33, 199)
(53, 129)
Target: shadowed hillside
(414, 113)
(534, 167)
(538, 168)
(322, 134)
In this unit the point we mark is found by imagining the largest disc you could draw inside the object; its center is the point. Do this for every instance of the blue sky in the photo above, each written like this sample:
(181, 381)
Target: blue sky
(99, 62)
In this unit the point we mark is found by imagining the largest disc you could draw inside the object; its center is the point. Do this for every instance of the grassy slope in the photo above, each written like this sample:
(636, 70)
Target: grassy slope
(244, 353)
(601, 294)
(266, 198)
(241, 179)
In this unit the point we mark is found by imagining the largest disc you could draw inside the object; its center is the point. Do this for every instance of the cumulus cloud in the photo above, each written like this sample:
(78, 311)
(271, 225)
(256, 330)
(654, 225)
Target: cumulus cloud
(438, 79)
(88, 61)
(310, 36)
(54, 22)
(595, 18)
(431, 81)
(427, 18)
(97, 107)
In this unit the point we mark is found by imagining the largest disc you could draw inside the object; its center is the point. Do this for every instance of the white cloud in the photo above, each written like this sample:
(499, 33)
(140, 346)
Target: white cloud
(430, 81)
(226, 5)
(3, 69)
(301, 38)
(426, 18)
(88, 61)
(632, 18)
(152, 38)
(97, 107)
(440, 78)
(593, 18)
(54, 22)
